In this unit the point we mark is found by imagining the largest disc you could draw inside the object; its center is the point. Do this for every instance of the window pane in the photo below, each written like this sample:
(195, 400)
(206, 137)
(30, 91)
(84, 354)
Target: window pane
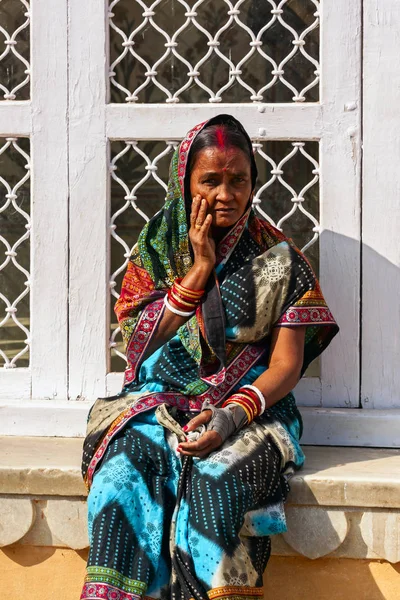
(14, 252)
(287, 195)
(14, 50)
(262, 51)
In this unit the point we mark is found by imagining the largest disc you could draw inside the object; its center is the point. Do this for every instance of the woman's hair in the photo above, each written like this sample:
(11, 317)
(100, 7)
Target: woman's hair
(226, 134)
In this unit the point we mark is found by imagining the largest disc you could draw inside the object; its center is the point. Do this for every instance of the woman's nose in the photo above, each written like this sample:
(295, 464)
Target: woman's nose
(224, 193)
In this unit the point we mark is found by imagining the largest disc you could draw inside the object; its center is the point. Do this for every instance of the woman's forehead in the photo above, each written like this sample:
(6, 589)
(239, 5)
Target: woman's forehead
(214, 159)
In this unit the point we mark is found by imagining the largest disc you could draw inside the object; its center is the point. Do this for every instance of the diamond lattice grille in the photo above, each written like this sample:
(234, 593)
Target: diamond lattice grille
(14, 49)
(287, 196)
(214, 51)
(14, 252)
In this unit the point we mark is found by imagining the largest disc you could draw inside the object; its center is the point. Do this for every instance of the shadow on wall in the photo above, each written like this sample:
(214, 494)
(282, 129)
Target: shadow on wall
(298, 578)
(41, 573)
(379, 279)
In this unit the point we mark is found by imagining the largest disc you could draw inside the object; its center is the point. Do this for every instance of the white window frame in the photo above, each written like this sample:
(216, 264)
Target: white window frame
(330, 404)
(43, 120)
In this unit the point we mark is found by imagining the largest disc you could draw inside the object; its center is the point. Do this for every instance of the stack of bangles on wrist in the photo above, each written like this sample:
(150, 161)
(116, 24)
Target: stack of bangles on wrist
(250, 399)
(183, 298)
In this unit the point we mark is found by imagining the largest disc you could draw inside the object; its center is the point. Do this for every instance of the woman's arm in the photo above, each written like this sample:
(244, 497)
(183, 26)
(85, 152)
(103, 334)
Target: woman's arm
(285, 362)
(196, 279)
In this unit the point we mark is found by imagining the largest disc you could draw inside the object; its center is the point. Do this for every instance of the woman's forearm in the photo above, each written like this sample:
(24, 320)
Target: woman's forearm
(285, 363)
(196, 279)
(277, 381)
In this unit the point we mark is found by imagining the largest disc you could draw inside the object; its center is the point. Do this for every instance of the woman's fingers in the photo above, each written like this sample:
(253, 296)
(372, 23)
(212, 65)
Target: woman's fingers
(195, 209)
(206, 225)
(201, 419)
(198, 213)
(200, 227)
(203, 446)
(201, 215)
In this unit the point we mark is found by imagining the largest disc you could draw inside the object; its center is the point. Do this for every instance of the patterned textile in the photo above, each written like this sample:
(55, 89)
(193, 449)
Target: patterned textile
(206, 521)
(260, 281)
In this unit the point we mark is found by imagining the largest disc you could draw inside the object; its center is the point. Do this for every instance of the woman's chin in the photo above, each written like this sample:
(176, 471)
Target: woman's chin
(224, 221)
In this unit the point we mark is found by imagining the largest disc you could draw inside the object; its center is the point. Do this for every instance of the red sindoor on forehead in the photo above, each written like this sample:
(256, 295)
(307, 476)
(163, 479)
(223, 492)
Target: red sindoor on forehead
(221, 137)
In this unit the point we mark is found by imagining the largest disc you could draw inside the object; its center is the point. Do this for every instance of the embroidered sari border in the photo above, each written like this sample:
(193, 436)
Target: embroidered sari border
(235, 593)
(105, 591)
(148, 321)
(107, 575)
(300, 315)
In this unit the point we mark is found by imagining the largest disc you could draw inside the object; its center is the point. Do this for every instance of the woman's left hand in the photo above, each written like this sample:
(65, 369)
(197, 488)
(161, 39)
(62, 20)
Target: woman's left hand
(209, 441)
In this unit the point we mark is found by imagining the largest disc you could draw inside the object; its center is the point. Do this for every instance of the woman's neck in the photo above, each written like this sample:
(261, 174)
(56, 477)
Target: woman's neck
(218, 233)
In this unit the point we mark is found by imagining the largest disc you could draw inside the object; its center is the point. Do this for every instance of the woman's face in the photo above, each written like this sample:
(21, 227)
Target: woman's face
(223, 177)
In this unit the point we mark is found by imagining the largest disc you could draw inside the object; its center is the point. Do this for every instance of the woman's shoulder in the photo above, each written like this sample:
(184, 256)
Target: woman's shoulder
(266, 234)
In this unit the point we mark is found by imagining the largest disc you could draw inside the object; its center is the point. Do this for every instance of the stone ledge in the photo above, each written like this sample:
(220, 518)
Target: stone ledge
(344, 503)
(41, 466)
(332, 476)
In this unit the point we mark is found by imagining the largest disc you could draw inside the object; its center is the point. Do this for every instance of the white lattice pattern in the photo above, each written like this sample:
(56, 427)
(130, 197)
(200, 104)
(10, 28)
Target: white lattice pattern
(298, 199)
(231, 22)
(10, 41)
(133, 210)
(9, 208)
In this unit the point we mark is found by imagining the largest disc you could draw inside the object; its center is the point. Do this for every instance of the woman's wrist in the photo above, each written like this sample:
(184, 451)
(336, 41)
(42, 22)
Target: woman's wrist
(259, 394)
(198, 275)
(250, 399)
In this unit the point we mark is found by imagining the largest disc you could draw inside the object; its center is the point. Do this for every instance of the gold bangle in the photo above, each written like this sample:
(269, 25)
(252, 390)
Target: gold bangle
(246, 410)
(176, 297)
(238, 403)
(187, 292)
(253, 406)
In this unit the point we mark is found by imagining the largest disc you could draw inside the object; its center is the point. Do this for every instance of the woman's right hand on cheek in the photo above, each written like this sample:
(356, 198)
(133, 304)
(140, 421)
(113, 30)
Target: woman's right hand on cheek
(200, 234)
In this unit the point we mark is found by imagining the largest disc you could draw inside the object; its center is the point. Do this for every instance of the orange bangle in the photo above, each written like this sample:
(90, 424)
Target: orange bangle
(245, 408)
(192, 293)
(178, 298)
(252, 406)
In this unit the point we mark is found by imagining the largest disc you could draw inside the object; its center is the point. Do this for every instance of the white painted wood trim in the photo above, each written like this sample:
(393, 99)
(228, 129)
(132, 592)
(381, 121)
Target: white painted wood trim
(15, 384)
(340, 158)
(49, 189)
(88, 299)
(308, 392)
(322, 426)
(276, 121)
(15, 119)
(351, 427)
(381, 207)
(114, 383)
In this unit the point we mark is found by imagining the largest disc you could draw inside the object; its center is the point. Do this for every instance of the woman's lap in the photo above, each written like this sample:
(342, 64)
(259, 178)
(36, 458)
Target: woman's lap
(219, 516)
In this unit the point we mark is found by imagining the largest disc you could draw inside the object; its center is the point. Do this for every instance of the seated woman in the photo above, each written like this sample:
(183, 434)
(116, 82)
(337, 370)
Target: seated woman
(188, 466)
